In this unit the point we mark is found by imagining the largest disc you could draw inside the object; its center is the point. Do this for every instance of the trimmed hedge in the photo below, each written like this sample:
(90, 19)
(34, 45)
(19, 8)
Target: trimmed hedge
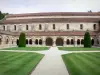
(87, 40)
(22, 40)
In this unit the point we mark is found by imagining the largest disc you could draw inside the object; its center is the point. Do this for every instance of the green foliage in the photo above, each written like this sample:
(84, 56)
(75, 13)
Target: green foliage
(22, 40)
(87, 40)
(1, 15)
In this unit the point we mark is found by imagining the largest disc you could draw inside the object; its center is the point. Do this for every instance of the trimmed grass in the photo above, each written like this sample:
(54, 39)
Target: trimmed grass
(27, 48)
(82, 63)
(77, 48)
(13, 63)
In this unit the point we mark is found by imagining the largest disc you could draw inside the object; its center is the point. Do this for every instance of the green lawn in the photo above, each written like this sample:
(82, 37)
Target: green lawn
(83, 63)
(77, 48)
(13, 63)
(27, 48)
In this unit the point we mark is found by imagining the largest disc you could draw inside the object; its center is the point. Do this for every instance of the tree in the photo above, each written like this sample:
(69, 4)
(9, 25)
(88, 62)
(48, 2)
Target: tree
(1, 15)
(87, 40)
(22, 40)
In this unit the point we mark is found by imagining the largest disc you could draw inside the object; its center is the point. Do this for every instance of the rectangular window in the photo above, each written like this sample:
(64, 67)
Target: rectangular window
(40, 27)
(94, 26)
(4, 28)
(81, 26)
(14, 27)
(53, 26)
(26, 27)
(67, 26)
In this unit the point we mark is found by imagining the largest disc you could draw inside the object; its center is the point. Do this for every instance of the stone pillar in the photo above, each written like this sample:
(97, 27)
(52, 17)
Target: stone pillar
(54, 42)
(44, 44)
(64, 42)
(33, 43)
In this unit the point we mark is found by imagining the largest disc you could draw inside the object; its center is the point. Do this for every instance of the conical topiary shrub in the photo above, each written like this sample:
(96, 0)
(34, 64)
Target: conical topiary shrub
(87, 40)
(22, 40)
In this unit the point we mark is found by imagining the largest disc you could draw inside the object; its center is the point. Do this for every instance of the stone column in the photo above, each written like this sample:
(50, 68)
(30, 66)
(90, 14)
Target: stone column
(64, 42)
(44, 44)
(54, 42)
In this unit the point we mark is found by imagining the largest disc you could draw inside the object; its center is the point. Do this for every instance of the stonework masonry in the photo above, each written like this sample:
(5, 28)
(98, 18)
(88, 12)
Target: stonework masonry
(50, 29)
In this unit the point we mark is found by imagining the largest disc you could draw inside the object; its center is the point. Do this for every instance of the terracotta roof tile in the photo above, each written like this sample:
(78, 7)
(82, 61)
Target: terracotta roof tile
(56, 14)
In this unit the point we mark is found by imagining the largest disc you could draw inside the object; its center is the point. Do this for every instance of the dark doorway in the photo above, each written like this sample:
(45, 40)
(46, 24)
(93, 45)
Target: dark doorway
(59, 42)
(49, 42)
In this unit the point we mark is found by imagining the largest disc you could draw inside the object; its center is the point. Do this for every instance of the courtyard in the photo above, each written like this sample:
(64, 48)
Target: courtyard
(50, 61)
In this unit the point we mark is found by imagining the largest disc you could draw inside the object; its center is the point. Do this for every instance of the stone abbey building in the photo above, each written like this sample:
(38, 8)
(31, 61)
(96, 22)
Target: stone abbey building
(50, 28)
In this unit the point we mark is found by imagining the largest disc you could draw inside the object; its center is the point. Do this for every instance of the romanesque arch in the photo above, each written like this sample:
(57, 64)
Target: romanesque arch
(36, 41)
(78, 41)
(82, 41)
(67, 41)
(40, 42)
(72, 41)
(26, 41)
(59, 42)
(30, 41)
(7, 40)
(92, 41)
(49, 41)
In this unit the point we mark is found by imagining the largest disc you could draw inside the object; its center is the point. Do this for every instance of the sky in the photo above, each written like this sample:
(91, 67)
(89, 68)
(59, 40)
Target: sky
(34, 6)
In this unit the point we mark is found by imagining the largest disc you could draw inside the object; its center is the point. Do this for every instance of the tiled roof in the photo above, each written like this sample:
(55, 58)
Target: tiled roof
(50, 20)
(56, 14)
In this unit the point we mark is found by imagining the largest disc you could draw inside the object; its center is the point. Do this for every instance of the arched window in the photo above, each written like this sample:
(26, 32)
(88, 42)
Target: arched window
(68, 42)
(82, 41)
(72, 41)
(40, 42)
(78, 42)
(94, 26)
(53, 26)
(26, 41)
(81, 26)
(14, 27)
(3, 27)
(30, 41)
(36, 41)
(40, 27)
(67, 26)
(26, 27)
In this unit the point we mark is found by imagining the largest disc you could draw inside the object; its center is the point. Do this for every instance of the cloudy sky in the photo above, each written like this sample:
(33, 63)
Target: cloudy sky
(29, 6)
